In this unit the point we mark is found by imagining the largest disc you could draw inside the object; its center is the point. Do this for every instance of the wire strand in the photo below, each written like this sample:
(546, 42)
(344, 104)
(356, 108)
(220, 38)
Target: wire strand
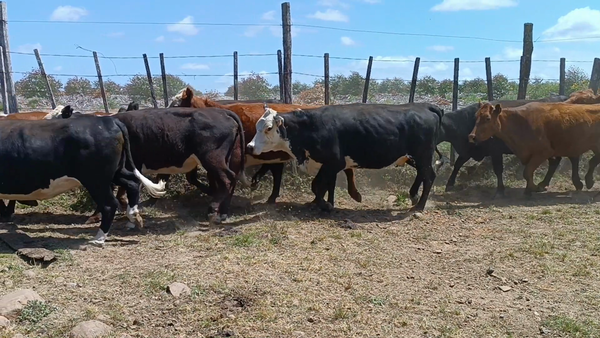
(149, 57)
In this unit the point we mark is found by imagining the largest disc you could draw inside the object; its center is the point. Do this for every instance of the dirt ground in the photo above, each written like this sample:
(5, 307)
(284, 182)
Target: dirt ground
(469, 266)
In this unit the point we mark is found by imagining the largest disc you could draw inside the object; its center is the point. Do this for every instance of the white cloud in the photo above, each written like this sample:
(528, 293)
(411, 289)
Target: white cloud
(184, 26)
(29, 47)
(372, 2)
(194, 66)
(179, 40)
(330, 15)
(346, 41)
(578, 23)
(472, 5)
(513, 53)
(332, 3)
(268, 16)
(160, 39)
(115, 35)
(68, 13)
(441, 49)
(253, 31)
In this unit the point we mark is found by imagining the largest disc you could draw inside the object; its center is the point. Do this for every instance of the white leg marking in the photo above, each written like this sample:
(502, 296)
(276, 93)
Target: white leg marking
(100, 238)
(131, 213)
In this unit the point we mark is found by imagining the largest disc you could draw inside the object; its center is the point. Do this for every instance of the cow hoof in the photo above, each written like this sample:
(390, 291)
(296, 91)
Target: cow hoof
(129, 226)
(499, 194)
(414, 199)
(272, 200)
(578, 186)
(416, 208)
(96, 242)
(326, 206)
(589, 182)
(356, 196)
(94, 219)
(214, 218)
(223, 217)
(450, 188)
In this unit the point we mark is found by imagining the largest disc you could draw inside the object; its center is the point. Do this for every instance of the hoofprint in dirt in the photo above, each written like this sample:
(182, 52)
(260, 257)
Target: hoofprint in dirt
(466, 267)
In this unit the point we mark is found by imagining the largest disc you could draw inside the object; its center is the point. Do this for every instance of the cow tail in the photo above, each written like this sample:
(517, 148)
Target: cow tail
(242, 139)
(155, 190)
(441, 161)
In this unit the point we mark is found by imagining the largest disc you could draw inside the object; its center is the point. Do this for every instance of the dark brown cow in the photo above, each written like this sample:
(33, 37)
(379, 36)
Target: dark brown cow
(538, 131)
(272, 161)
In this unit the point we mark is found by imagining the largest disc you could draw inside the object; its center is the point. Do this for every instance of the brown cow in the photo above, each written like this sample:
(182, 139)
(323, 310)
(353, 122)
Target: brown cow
(584, 97)
(541, 130)
(250, 113)
(35, 115)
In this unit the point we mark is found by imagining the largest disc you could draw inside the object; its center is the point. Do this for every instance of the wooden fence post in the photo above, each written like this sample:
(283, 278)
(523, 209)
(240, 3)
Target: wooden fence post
(525, 70)
(163, 75)
(595, 76)
(367, 80)
(413, 83)
(8, 78)
(562, 76)
(489, 79)
(280, 72)
(45, 78)
(150, 82)
(5, 105)
(235, 75)
(100, 82)
(326, 77)
(454, 102)
(286, 19)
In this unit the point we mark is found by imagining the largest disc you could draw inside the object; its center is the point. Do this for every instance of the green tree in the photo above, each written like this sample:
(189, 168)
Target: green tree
(78, 86)
(337, 83)
(298, 87)
(394, 86)
(111, 87)
(538, 88)
(445, 88)
(32, 85)
(354, 84)
(502, 87)
(427, 85)
(477, 86)
(254, 87)
(138, 88)
(575, 80)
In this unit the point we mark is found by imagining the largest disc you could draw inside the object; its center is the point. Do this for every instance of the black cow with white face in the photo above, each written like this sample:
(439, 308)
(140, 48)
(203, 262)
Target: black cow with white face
(332, 138)
(45, 158)
(456, 127)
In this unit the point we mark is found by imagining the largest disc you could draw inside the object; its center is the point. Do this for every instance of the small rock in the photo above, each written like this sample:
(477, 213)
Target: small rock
(73, 285)
(179, 289)
(505, 288)
(29, 273)
(8, 283)
(59, 280)
(490, 271)
(544, 330)
(347, 224)
(90, 329)
(438, 252)
(392, 199)
(524, 280)
(501, 316)
(418, 215)
(16, 300)
(310, 320)
(4, 322)
(33, 255)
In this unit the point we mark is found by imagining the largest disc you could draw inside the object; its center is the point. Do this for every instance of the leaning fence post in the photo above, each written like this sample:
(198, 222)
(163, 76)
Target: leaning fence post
(413, 83)
(454, 101)
(11, 99)
(45, 78)
(5, 104)
(150, 82)
(595, 76)
(235, 75)
(326, 77)
(367, 80)
(163, 74)
(489, 79)
(100, 82)
(280, 72)
(562, 76)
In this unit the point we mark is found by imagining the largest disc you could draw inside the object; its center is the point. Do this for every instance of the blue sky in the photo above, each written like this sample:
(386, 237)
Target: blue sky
(494, 19)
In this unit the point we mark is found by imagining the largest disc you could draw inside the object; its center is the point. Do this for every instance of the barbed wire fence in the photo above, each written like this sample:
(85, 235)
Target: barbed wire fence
(159, 86)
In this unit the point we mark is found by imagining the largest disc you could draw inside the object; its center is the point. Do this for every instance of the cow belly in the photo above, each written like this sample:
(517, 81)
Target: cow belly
(312, 167)
(400, 162)
(252, 161)
(56, 187)
(190, 164)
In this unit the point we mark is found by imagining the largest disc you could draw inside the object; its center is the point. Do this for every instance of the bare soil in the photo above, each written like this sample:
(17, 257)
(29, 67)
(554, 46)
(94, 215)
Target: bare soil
(468, 266)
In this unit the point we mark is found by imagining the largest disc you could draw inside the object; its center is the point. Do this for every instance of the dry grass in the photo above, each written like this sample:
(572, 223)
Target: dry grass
(291, 271)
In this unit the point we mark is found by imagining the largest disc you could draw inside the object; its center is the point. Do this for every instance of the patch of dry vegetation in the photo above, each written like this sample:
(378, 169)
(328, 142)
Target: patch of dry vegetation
(289, 270)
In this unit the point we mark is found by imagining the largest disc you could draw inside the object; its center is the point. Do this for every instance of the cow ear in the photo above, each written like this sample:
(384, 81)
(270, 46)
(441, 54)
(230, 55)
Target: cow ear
(497, 109)
(278, 120)
(189, 93)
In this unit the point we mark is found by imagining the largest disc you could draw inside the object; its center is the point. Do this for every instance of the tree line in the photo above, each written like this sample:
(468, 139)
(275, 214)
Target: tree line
(257, 87)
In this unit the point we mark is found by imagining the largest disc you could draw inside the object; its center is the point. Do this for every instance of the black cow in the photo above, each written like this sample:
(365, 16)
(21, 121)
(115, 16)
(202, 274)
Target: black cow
(336, 137)
(42, 159)
(456, 127)
(176, 140)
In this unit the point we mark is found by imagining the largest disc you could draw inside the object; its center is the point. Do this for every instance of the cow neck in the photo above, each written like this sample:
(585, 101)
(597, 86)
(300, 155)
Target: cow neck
(508, 129)
(294, 123)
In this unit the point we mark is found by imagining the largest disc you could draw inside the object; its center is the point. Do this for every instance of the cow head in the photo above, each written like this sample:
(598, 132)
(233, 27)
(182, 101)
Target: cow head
(183, 98)
(270, 134)
(66, 112)
(487, 122)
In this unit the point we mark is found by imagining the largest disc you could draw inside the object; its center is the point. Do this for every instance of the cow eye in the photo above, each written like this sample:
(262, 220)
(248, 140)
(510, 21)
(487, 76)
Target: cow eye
(270, 128)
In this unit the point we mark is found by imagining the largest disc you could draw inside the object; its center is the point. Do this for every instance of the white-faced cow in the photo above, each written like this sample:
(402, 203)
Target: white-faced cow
(332, 138)
(45, 158)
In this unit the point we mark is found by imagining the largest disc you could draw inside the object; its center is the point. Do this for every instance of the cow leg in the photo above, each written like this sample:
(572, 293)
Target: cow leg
(225, 205)
(192, 178)
(352, 190)
(530, 167)
(108, 203)
(575, 173)
(277, 172)
(589, 177)
(260, 173)
(132, 187)
(32, 203)
(553, 163)
(414, 189)
(498, 165)
(424, 170)
(325, 182)
(460, 161)
(223, 178)
(7, 211)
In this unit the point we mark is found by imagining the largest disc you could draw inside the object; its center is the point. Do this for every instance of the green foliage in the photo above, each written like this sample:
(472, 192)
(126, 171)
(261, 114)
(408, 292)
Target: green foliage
(575, 80)
(538, 88)
(32, 85)
(501, 87)
(138, 88)
(254, 87)
(111, 87)
(78, 86)
(427, 85)
(35, 310)
(297, 87)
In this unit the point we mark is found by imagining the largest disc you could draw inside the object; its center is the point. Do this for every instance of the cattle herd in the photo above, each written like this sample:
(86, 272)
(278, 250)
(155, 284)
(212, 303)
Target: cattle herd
(44, 154)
